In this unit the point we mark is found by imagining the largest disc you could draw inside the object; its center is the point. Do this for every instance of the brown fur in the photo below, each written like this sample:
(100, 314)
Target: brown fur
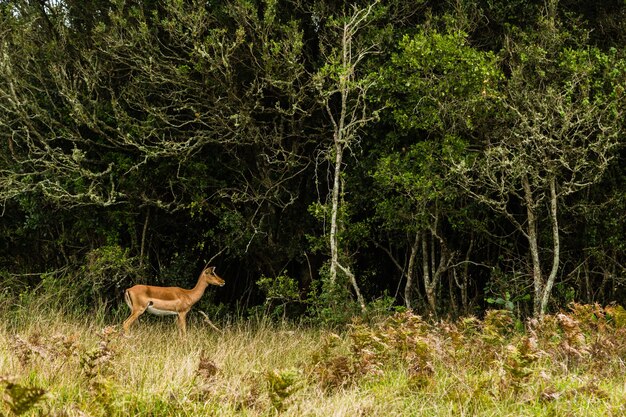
(168, 300)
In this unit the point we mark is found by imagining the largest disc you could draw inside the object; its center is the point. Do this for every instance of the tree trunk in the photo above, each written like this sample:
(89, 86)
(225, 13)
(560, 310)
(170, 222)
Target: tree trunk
(465, 277)
(587, 282)
(408, 288)
(531, 234)
(334, 250)
(339, 142)
(352, 116)
(428, 281)
(355, 286)
(556, 247)
(454, 305)
(144, 232)
(341, 137)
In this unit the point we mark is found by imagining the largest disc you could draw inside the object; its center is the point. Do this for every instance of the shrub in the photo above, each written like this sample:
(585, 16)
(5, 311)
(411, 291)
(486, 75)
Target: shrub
(279, 292)
(402, 340)
(331, 304)
(498, 326)
(281, 385)
(107, 271)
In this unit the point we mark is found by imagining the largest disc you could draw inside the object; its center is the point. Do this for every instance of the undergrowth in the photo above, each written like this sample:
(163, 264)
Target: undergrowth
(569, 363)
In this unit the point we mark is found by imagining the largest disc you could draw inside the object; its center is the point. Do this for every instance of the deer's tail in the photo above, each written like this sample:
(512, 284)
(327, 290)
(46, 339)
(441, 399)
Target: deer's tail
(128, 300)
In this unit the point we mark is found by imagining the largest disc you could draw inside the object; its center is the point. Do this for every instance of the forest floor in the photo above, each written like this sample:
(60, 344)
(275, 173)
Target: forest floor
(568, 364)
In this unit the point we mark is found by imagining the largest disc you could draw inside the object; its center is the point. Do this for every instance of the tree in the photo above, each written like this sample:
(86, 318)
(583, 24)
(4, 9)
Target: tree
(155, 115)
(560, 127)
(436, 86)
(343, 91)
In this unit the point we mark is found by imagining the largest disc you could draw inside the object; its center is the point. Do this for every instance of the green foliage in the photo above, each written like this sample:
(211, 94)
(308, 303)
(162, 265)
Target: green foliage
(107, 271)
(519, 360)
(282, 384)
(383, 307)
(282, 288)
(507, 290)
(498, 326)
(616, 314)
(507, 301)
(19, 398)
(437, 78)
(331, 304)
(110, 268)
(279, 292)
(171, 131)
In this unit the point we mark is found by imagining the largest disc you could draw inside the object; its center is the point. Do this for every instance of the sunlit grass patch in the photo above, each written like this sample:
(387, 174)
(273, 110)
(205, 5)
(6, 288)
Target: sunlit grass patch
(399, 365)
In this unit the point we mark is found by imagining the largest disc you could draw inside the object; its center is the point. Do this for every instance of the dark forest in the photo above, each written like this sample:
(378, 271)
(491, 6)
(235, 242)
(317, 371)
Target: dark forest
(328, 158)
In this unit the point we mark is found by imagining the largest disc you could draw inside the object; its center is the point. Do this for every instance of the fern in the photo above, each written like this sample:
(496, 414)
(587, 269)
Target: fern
(19, 398)
(281, 385)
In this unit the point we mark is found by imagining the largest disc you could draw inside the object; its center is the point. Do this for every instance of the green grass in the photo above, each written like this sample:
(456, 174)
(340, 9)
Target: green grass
(399, 366)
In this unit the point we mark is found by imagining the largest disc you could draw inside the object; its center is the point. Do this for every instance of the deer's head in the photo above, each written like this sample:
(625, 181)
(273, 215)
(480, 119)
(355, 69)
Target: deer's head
(211, 277)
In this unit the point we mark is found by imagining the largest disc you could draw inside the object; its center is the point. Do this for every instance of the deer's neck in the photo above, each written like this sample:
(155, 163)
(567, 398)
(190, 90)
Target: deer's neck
(198, 291)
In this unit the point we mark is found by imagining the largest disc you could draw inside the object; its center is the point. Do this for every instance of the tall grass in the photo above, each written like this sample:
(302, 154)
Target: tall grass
(55, 364)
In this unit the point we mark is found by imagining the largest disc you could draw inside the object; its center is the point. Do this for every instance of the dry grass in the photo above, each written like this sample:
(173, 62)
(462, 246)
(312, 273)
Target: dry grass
(566, 364)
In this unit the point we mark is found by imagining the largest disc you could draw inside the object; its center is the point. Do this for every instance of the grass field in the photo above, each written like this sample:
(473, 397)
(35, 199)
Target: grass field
(568, 364)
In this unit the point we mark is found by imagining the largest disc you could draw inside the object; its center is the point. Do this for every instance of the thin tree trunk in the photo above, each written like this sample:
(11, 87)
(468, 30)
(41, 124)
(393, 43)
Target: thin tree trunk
(587, 282)
(144, 232)
(556, 245)
(428, 286)
(393, 259)
(613, 282)
(534, 247)
(338, 138)
(408, 289)
(355, 286)
(442, 267)
(465, 277)
(334, 226)
(334, 250)
(453, 295)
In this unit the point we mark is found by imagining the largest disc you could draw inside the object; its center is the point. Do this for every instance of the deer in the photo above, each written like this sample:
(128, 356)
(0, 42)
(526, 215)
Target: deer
(168, 300)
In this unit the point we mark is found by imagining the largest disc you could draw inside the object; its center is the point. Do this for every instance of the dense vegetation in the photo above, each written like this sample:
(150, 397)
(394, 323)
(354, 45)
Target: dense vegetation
(330, 158)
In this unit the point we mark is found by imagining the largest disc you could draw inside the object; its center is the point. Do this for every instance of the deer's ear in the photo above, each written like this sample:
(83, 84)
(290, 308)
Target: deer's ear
(212, 269)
